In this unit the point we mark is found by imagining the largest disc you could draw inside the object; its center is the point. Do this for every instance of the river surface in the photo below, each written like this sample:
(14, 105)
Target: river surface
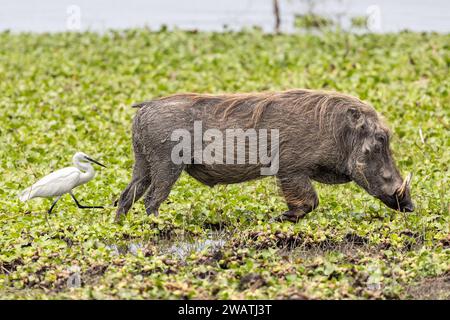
(210, 15)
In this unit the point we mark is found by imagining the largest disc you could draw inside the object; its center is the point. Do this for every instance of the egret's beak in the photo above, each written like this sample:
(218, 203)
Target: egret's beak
(94, 161)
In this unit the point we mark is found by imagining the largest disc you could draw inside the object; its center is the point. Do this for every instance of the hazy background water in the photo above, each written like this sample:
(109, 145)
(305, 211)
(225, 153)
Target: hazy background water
(100, 15)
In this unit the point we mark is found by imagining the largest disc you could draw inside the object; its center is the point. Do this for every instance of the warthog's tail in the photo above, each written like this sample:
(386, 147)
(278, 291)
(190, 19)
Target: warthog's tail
(139, 104)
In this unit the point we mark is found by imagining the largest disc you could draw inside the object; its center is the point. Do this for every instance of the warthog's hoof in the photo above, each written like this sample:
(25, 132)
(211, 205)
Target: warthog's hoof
(152, 211)
(119, 215)
(292, 216)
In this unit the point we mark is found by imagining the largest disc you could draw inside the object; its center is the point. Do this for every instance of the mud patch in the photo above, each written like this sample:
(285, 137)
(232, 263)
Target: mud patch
(8, 267)
(251, 281)
(291, 242)
(431, 289)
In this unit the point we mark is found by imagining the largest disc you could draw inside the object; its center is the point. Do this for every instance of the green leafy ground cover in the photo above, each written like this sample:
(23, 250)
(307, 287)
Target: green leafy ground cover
(68, 92)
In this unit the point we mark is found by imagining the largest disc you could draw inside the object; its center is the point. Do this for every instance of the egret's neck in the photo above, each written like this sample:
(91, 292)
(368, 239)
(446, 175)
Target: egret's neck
(88, 171)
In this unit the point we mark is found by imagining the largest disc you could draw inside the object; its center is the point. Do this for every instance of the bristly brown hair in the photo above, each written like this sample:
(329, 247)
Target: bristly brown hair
(322, 103)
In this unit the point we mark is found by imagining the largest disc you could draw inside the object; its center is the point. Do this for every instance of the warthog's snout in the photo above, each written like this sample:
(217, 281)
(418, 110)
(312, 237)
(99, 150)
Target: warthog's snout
(401, 199)
(395, 203)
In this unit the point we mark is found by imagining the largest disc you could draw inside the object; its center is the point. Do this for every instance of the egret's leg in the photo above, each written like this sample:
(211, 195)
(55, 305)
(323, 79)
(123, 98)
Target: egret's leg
(84, 207)
(53, 204)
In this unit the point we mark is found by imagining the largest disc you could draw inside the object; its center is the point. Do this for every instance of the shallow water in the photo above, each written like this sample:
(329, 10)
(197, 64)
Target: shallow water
(183, 249)
(177, 248)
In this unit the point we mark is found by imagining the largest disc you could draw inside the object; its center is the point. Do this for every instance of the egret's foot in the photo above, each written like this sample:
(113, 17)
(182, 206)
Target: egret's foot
(85, 207)
(90, 207)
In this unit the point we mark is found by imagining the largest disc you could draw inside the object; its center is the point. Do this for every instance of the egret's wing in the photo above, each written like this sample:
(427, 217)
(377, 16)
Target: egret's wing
(54, 184)
(66, 174)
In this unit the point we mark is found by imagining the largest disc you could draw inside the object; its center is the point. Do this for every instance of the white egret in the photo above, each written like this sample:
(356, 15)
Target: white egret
(62, 181)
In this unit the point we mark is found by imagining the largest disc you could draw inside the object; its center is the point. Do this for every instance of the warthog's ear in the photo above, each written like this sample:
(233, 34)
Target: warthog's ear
(355, 117)
(353, 113)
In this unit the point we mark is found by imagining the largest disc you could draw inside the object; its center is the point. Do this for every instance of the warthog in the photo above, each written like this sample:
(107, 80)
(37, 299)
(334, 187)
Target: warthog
(322, 136)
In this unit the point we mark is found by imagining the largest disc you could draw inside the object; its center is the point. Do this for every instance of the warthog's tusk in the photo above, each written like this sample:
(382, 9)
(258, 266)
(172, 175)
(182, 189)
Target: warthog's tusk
(408, 179)
(406, 183)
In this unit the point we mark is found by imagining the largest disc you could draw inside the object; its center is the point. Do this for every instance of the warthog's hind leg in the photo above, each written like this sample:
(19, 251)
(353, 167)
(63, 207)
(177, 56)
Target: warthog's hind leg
(165, 174)
(300, 196)
(140, 182)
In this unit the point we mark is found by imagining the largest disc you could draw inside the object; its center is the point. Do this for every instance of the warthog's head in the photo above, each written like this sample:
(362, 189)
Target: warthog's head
(370, 163)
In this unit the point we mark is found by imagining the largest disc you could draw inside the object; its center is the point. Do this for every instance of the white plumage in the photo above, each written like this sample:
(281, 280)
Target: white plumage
(54, 184)
(63, 181)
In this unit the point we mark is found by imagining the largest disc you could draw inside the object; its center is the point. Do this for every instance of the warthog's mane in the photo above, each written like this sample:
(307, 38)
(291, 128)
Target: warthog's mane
(326, 106)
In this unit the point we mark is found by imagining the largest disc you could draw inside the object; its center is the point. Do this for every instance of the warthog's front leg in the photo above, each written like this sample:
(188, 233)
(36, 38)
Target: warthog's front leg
(300, 196)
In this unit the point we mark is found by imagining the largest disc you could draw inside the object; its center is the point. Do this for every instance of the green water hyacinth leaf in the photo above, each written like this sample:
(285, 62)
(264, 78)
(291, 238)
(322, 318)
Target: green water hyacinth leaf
(66, 92)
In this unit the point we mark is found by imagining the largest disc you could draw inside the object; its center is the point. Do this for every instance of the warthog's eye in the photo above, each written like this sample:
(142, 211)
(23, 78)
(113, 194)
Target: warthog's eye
(380, 138)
